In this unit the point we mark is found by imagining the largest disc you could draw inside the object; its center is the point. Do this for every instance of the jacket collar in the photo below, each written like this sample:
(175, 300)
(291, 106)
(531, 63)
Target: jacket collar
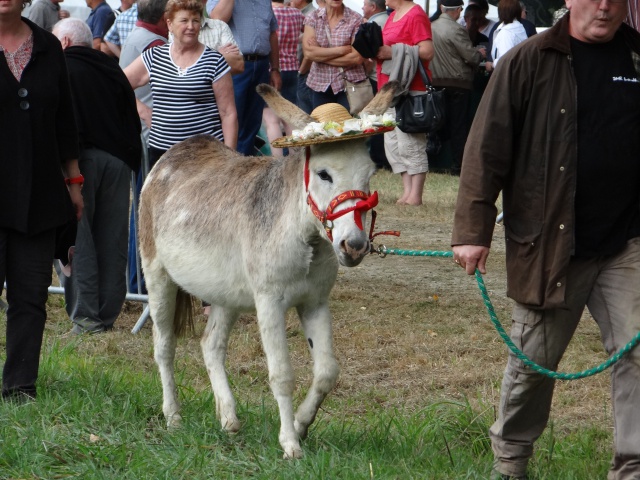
(39, 36)
(445, 17)
(557, 37)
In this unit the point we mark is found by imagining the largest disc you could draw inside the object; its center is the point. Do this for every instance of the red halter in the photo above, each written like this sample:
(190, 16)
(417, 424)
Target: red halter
(327, 217)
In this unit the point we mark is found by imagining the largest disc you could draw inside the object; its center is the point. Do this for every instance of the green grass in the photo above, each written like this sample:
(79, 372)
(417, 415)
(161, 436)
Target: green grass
(100, 418)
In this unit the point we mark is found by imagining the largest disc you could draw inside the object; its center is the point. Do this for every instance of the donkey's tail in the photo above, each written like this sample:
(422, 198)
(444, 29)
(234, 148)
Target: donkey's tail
(183, 318)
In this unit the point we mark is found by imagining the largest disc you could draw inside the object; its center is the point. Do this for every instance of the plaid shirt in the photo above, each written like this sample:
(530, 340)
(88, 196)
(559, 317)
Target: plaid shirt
(323, 75)
(215, 33)
(123, 25)
(290, 24)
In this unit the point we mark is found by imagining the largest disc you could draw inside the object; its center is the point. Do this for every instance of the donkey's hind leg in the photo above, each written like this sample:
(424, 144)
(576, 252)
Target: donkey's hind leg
(214, 350)
(162, 305)
(316, 322)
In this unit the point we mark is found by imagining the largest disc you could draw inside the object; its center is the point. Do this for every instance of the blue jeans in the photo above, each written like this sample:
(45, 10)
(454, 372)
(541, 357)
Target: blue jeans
(305, 94)
(135, 286)
(249, 103)
(320, 98)
(289, 89)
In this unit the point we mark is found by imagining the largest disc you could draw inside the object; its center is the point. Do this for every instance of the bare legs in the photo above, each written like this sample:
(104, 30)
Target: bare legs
(413, 188)
(274, 129)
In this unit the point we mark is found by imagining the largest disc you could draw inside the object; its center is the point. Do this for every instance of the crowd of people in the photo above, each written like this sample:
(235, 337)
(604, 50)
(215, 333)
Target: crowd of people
(107, 97)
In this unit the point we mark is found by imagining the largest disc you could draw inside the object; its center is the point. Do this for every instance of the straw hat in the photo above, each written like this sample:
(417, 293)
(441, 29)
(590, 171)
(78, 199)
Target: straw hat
(334, 124)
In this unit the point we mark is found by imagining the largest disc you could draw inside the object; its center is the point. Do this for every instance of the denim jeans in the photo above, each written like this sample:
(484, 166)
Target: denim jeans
(289, 88)
(608, 287)
(249, 103)
(320, 98)
(305, 94)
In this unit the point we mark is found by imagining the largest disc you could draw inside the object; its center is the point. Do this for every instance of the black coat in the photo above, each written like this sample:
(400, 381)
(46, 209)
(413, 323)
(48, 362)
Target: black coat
(104, 105)
(37, 135)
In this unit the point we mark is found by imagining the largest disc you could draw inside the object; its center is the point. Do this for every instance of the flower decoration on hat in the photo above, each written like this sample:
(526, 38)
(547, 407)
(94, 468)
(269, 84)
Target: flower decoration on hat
(334, 123)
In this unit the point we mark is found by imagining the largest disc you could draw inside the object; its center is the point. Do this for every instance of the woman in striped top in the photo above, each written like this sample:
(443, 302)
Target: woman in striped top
(191, 85)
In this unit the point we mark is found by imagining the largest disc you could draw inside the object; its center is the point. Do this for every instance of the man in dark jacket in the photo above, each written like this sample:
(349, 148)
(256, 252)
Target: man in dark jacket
(453, 67)
(558, 132)
(110, 149)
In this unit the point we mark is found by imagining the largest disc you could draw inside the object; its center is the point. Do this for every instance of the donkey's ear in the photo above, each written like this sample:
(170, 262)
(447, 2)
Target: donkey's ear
(283, 108)
(383, 99)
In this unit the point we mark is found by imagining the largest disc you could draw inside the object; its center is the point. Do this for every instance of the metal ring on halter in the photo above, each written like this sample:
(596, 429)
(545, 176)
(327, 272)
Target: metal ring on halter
(382, 251)
(328, 224)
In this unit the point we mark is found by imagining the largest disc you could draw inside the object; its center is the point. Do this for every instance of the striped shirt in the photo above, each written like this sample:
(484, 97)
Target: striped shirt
(290, 22)
(323, 75)
(183, 101)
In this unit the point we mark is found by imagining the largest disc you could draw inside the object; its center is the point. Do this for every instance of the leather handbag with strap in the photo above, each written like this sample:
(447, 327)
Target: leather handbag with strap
(421, 112)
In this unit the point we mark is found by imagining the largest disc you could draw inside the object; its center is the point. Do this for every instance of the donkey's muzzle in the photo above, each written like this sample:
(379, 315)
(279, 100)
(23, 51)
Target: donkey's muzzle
(353, 251)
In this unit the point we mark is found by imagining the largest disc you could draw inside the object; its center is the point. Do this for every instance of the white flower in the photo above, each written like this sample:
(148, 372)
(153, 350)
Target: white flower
(353, 125)
(388, 118)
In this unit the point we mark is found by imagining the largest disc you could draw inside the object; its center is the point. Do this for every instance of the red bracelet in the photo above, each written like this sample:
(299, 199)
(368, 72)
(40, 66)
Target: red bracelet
(70, 181)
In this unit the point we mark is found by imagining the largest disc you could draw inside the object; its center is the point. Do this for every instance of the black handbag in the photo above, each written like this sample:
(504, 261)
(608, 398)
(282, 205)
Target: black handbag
(423, 112)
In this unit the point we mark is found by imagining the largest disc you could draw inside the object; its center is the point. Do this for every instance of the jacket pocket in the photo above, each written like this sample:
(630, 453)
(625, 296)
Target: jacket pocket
(525, 262)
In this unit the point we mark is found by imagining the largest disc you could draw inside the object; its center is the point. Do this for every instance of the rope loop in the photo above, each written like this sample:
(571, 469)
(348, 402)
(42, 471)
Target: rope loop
(383, 251)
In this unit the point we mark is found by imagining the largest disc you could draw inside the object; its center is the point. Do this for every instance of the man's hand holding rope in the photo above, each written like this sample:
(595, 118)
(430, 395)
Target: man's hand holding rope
(471, 257)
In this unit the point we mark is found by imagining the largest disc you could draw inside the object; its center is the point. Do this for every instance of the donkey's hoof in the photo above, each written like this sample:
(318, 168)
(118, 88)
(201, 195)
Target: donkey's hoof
(230, 425)
(174, 421)
(292, 452)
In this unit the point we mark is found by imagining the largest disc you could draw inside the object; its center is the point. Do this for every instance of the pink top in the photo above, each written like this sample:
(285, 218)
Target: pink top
(290, 25)
(19, 59)
(413, 28)
(323, 75)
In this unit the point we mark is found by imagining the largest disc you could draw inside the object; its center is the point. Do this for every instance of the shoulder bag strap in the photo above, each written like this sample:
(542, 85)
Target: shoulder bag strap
(423, 73)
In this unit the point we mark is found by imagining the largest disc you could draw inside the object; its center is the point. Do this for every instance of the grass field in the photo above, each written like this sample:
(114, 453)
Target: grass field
(421, 369)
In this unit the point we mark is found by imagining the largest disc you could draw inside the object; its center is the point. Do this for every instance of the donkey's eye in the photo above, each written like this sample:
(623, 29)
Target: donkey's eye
(325, 176)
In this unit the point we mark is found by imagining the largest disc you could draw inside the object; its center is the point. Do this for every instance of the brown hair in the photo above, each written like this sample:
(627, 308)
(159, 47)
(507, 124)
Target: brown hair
(509, 10)
(174, 6)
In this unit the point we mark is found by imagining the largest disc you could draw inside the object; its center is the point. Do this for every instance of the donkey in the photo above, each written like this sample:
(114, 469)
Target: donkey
(238, 233)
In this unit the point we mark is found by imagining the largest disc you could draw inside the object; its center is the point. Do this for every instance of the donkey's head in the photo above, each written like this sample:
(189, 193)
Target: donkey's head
(336, 177)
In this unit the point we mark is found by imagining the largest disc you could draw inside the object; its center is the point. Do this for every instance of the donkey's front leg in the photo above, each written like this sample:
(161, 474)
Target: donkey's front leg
(271, 320)
(316, 321)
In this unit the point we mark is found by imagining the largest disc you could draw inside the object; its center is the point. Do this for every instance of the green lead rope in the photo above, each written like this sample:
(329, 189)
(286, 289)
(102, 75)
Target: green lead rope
(384, 251)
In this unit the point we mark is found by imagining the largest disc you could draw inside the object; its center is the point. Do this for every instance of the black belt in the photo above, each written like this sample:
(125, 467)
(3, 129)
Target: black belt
(252, 57)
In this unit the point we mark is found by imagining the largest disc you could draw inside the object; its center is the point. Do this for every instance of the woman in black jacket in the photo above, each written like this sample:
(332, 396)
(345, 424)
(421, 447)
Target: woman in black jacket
(40, 184)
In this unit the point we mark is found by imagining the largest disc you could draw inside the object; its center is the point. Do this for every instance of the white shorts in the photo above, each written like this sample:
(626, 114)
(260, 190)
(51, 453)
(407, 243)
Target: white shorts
(406, 152)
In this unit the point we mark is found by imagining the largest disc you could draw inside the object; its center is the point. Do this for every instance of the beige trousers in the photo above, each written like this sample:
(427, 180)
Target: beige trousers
(610, 288)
